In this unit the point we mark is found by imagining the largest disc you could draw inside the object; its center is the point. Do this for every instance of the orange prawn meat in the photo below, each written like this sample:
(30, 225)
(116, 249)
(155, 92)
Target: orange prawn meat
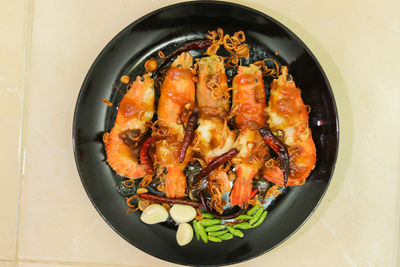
(177, 99)
(249, 102)
(215, 137)
(288, 115)
(135, 110)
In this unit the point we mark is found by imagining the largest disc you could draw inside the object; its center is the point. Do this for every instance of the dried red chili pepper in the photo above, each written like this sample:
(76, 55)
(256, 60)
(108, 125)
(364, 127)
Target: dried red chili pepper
(253, 193)
(144, 153)
(276, 145)
(161, 199)
(189, 134)
(192, 45)
(218, 161)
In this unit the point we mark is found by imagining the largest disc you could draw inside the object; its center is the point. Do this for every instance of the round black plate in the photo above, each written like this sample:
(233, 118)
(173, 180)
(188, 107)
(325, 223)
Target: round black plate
(164, 29)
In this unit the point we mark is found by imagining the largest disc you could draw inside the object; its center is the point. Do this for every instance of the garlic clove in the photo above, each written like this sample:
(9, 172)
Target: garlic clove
(154, 213)
(184, 234)
(182, 213)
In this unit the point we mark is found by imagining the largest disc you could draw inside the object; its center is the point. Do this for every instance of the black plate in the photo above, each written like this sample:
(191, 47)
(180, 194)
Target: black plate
(163, 29)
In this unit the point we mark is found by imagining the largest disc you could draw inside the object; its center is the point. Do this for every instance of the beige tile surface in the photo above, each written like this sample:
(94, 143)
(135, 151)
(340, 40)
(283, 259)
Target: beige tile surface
(8, 264)
(58, 221)
(356, 224)
(66, 264)
(359, 214)
(12, 51)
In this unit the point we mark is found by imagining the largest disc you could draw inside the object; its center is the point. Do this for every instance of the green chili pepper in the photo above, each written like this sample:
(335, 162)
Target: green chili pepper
(218, 233)
(202, 232)
(253, 210)
(243, 217)
(242, 225)
(214, 228)
(207, 215)
(214, 238)
(208, 222)
(195, 229)
(262, 218)
(234, 231)
(256, 216)
(226, 236)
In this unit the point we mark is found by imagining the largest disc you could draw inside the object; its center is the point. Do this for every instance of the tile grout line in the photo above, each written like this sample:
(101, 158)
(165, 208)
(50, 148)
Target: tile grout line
(21, 153)
(21, 160)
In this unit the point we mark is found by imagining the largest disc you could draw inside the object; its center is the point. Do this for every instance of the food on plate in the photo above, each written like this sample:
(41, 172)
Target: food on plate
(184, 234)
(155, 213)
(215, 145)
(122, 143)
(182, 213)
(214, 136)
(175, 104)
(249, 103)
(288, 117)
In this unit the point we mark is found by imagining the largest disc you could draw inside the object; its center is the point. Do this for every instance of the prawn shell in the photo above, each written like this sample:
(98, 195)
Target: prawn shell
(177, 96)
(288, 114)
(135, 110)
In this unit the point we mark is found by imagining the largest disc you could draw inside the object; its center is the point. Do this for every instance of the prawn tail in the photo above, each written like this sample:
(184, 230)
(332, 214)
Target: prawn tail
(241, 190)
(175, 182)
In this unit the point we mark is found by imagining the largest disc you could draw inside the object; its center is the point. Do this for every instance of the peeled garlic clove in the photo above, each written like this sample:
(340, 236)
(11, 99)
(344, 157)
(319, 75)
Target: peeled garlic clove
(184, 234)
(182, 213)
(154, 213)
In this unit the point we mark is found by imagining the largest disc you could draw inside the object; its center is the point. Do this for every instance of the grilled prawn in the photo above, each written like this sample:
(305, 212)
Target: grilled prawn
(288, 116)
(249, 100)
(135, 110)
(176, 99)
(214, 135)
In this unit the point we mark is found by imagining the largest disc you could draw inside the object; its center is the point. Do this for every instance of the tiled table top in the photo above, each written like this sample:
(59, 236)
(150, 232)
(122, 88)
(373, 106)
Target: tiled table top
(46, 49)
